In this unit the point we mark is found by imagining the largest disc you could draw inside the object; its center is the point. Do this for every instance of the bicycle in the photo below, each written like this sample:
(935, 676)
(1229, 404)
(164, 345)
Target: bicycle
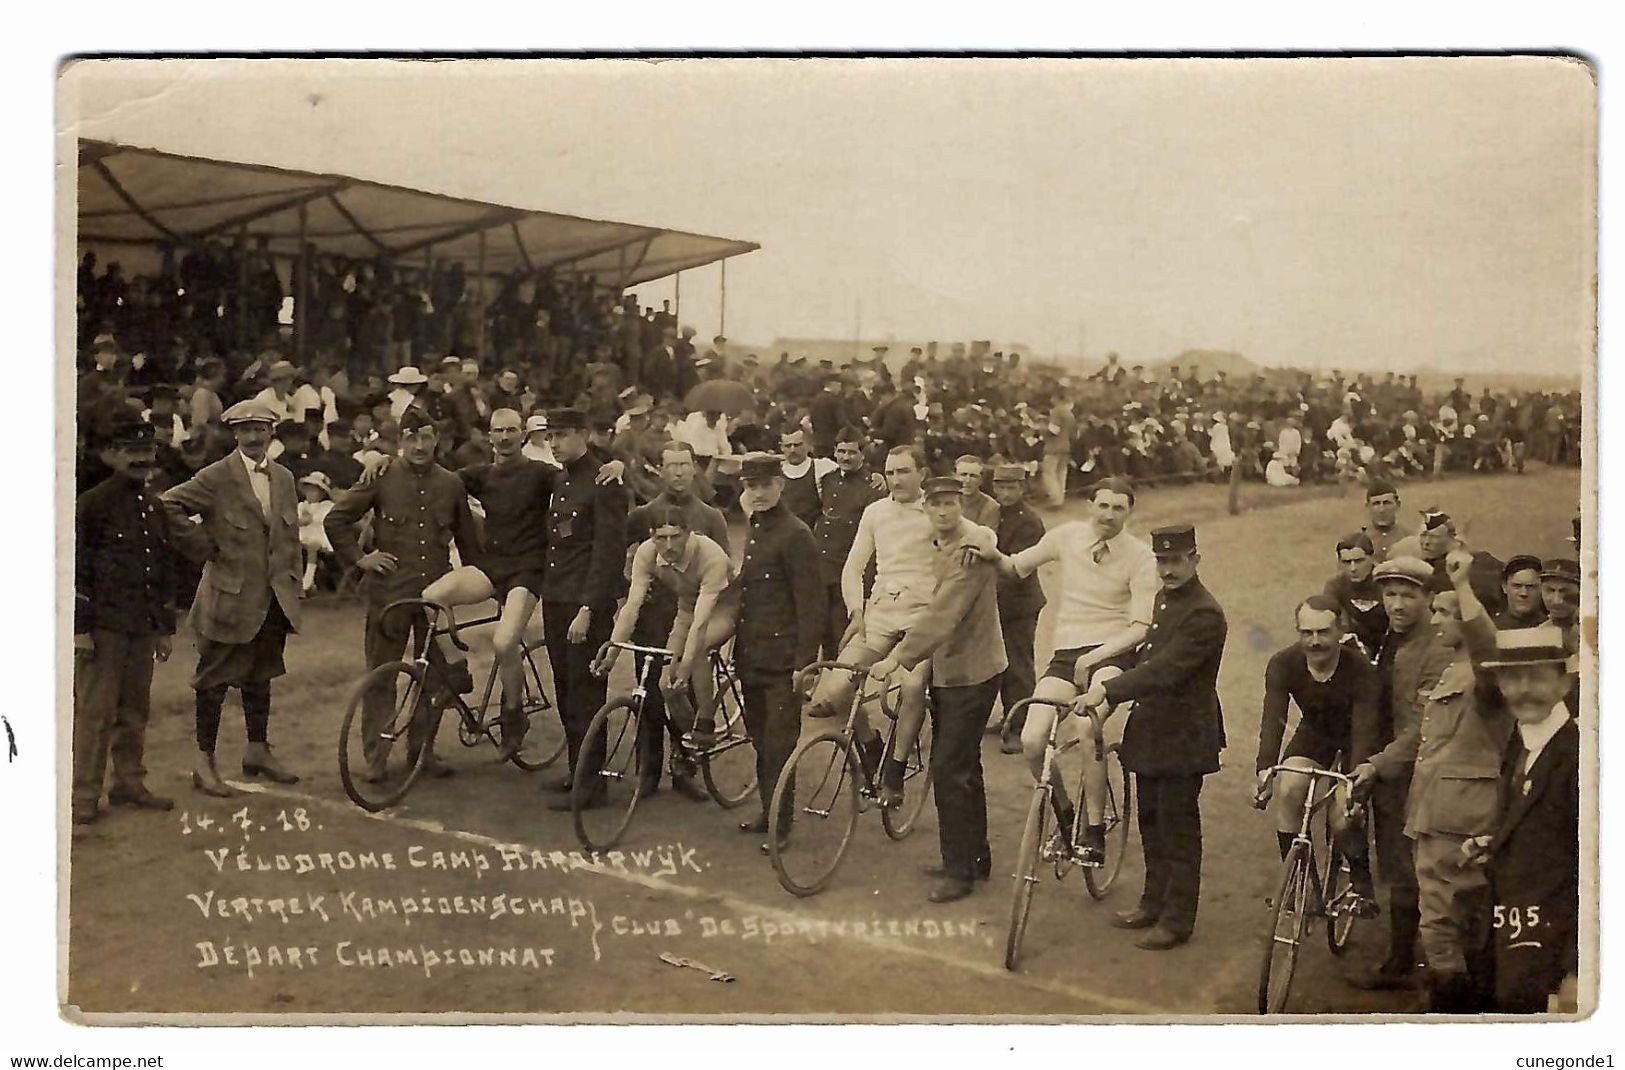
(829, 784)
(729, 781)
(1034, 851)
(373, 778)
(1308, 891)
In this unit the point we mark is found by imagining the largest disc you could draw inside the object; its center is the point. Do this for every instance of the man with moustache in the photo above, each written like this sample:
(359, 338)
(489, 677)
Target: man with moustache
(1172, 739)
(1021, 598)
(978, 507)
(781, 592)
(418, 508)
(1383, 752)
(248, 597)
(844, 494)
(124, 581)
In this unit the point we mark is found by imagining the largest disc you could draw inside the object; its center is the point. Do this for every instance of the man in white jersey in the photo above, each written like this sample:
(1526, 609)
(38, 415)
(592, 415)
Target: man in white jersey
(1108, 588)
(895, 534)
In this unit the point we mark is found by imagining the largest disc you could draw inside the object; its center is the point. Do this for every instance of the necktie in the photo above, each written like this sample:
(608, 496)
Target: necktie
(1101, 550)
(262, 488)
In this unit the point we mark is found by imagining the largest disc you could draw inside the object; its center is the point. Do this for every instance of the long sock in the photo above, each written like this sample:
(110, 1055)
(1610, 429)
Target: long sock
(1063, 813)
(209, 701)
(256, 709)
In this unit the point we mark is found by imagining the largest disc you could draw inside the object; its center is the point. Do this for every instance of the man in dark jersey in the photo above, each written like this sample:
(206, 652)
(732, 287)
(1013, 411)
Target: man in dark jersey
(1357, 595)
(1333, 685)
(802, 475)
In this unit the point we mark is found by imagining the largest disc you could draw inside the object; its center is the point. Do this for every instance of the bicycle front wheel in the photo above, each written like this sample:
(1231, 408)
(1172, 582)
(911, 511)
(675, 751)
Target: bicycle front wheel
(1288, 914)
(544, 732)
(1118, 819)
(603, 799)
(1339, 891)
(1026, 875)
(817, 794)
(899, 820)
(379, 763)
(728, 766)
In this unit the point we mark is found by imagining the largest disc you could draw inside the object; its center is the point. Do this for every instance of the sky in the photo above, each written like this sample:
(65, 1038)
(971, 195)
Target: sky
(1373, 214)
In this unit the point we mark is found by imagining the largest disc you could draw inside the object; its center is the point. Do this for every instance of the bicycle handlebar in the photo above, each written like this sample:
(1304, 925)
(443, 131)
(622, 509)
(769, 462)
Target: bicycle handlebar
(799, 682)
(435, 611)
(1329, 774)
(649, 651)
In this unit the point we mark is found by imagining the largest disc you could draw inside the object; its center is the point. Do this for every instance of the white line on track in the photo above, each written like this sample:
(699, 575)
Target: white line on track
(1090, 1002)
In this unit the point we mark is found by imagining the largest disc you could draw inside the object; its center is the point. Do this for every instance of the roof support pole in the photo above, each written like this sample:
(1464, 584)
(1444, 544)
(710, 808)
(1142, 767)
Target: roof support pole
(677, 296)
(479, 298)
(431, 337)
(301, 291)
(722, 307)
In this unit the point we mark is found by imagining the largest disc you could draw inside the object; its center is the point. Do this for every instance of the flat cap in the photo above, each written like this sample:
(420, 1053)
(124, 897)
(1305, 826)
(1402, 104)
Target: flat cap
(760, 465)
(567, 420)
(249, 412)
(1174, 539)
(1519, 562)
(1406, 569)
(1009, 473)
(1561, 568)
(943, 485)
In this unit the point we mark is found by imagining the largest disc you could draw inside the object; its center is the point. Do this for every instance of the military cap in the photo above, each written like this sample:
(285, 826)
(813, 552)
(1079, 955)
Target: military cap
(1542, 644)
(249, 412)
(1561, 568)
(451, 359)
(1174, 539)
(1434, 517)
(567, 420)
(943, 485)
(1009, 473)
(124, 427)
(415, 418)
(1406, 569)
(1378, 487)
(1519, 562)
(760, 465)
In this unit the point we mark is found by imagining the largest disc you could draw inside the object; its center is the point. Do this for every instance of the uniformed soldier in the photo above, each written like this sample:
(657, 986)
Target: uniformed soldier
(1020, 598)
(1520, 582)
(248, 597)
(586, 554)
(1172, 739)
(780, 613)
(1412, 662)
(419, 508)
(845, 493)
(1560, 594)
(123, 619)
(1382, 510)
(978, 507)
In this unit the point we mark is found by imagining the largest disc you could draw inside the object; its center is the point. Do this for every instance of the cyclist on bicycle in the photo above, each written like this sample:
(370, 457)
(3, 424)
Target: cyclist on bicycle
(1108, 590)
(697, 571)
(515, 492)
(1334, 686)
(896, 535)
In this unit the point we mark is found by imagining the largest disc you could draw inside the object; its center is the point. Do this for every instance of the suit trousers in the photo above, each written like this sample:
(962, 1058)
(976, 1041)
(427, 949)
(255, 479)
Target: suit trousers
(1396, 862)
(112, 698)
(773, 719)
(580, 693)
(835, 622)
(384, 641)
(1052, 474)
(1020, 676)
(1453, 900)
(957, 717)
(1171, 837)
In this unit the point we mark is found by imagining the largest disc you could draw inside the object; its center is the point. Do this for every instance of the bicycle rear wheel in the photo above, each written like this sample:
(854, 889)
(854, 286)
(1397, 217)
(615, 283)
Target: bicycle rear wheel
(728, 766)
(379, 764)
(1119, 817)
(1288, 915)
(899, 820)
(544, 733)
(818, 794)
(1026, 875)
(602, 800)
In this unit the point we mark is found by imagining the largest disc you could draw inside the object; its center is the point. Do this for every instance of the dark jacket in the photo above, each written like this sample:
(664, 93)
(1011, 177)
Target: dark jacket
(124, 572)
(415, 518)
(1535, 855)
(845, 496)
(782, 597)
(1177, 727)
(586, 538)
(1019, 596)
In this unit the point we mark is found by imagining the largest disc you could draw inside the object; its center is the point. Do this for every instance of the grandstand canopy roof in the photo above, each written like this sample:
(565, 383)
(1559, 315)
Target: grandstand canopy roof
(142, 196)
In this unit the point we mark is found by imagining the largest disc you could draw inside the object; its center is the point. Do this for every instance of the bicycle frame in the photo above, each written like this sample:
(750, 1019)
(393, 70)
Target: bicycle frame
(655, 659)
(1317, 879)
(472, 717)
(868, 789)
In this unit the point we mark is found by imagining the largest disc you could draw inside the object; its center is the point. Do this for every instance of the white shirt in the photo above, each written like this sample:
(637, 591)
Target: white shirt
(1536, 736)
(821, 466)
(1289, 444)
(707, 441)
(400, 399)
(898, 537)
(260, 480)
(1098, 599)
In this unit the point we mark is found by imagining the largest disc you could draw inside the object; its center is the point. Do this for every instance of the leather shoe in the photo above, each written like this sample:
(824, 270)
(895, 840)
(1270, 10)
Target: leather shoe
(1392, 975)
(950, 889)
(1133, 919)
(1158, 938)
(257, 761)
(757, 826)
(984, 870)
(140, 799)
(1010, 745)
(767, 848)
(207, 780)
(559, 785)
(514, 727)
(685, 785)
(433, 766)
(648, 786)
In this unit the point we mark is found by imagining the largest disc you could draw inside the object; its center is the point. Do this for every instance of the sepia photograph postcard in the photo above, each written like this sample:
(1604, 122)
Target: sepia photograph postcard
(840, 539)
